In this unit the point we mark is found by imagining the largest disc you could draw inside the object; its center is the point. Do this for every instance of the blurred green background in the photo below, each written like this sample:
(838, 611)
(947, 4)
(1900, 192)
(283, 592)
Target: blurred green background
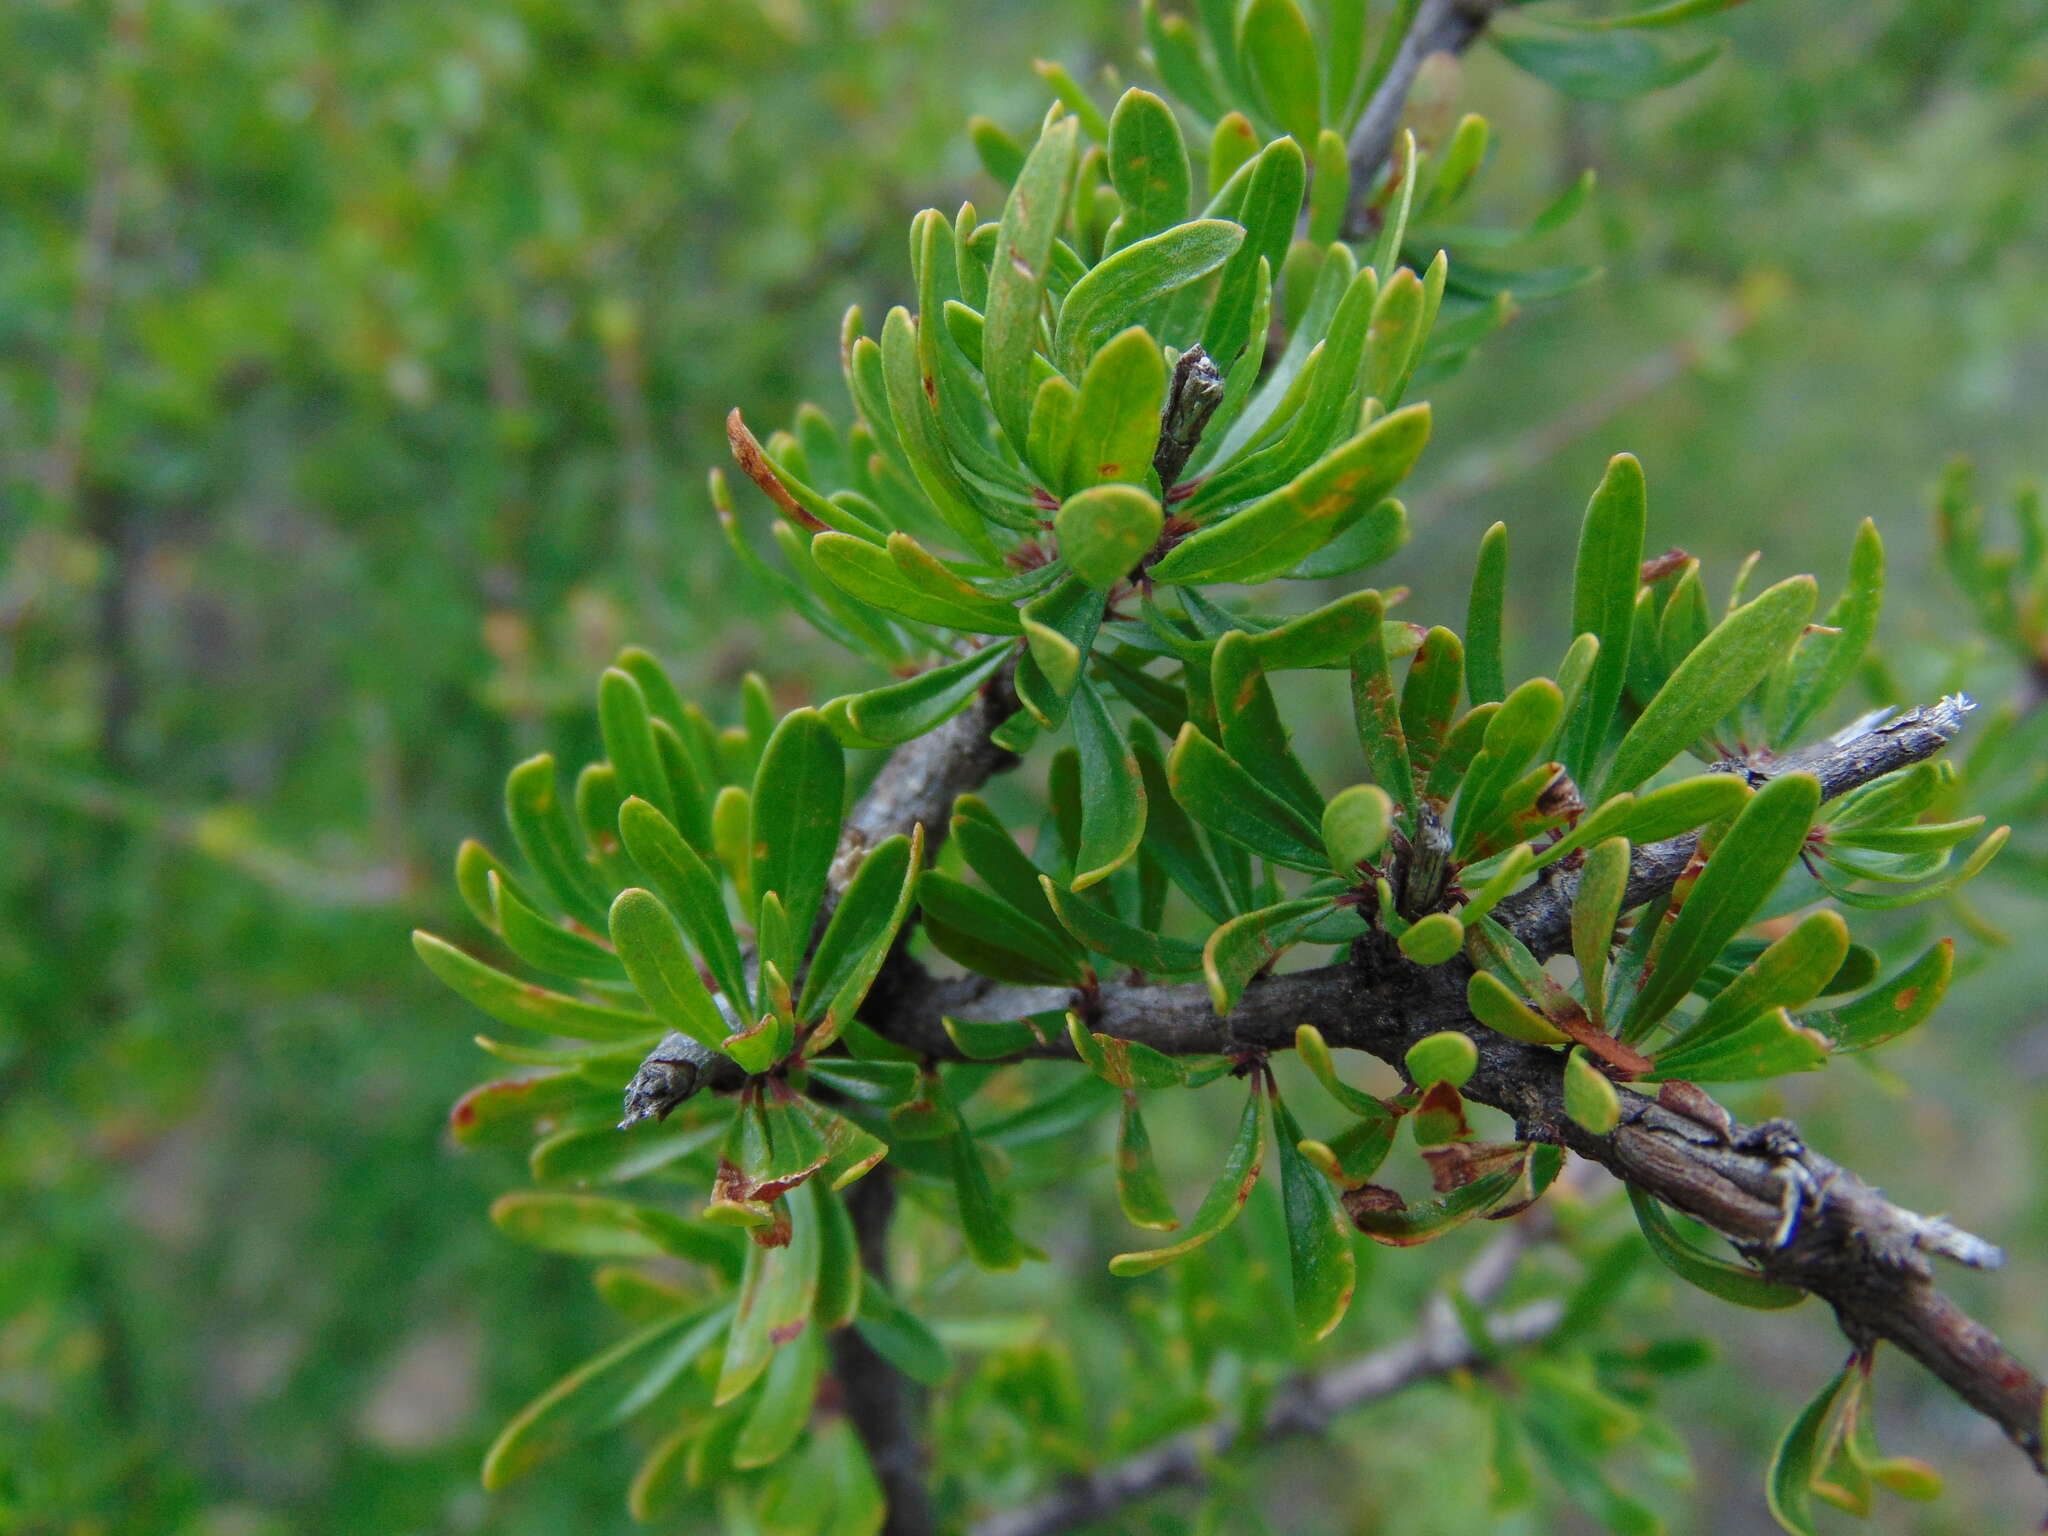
(360, 364)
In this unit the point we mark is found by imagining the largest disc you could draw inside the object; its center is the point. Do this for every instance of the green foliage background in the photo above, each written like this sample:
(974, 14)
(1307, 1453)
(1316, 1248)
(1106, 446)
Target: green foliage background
(359, 365)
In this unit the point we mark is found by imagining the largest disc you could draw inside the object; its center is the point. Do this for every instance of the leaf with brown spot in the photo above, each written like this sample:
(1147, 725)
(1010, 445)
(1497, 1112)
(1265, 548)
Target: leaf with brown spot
(1384, 1217)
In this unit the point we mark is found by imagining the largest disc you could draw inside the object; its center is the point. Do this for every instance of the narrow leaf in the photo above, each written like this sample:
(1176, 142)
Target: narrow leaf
(1226, 1196)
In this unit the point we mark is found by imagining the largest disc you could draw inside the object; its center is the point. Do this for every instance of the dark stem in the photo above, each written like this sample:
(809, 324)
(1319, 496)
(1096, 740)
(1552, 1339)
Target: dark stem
(880, 1401)
(1440, 26)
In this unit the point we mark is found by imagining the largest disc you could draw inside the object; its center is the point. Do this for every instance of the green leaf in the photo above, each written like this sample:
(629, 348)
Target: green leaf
(1112, 792)
(1745, 867)
(1913, 895)
(1771, 1045)
(1716, 1276)
(1148, 166)
(840, 1276)
(1124, 283)
(1116, 425)
(1059, 631)
(663, 970)
(871, 575)
(1016, 287)
(629, 741)
(1375, 537)
(1139, 1189)
(1718, 674)
(604, 1154)
(1074, 99)
(856, 941)
(1394, 341)
(993, 1040)
(479, 875)
(1322, 1263)
(992, 853)
(1355, 827)
(1268, 537)
(1105, 530)
(1315, 1055)
(798, 800)
(1254, 734)
(1790, 973)
(1670, 14)
(689, 889)
(512, 1111)
(1898, 1004)
(1827, 658)
(605, 1227)
(1485, 672)
(1329, 188)
(1170, 837)
(990, 1240)
(911, 383)
(547, 945)
(1429, 698)
(1801, 1456)
(1377, 711)
(1496, 1006)
(1603, 883)
(1603, 604)
(774, 1306)
(1460, 161)
(1386, 251)
(1448, 1056)
(1510, 870)
(588, 1399)
(904, 711)
(1434, 939)
(989, 936)
(525, 1005)
(1603, 67)
(1680, 807)
(1515, 734)
(1272, 202)
(1589, 1097)
(1120, 941)
(900, 1337)
(1000, 154)
(1232, 147)
(1049, 441)
(1226, 1197)
(1128, 1063)
(540, 825)
(1391, 1221)
(1222, 796)
(783, 1408)
(797, 501)
(1242, 947)
(1281, 63)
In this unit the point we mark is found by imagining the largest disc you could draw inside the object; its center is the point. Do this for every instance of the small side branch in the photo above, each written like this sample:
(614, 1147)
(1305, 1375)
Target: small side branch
(1541, 916)
(1440, 26)
(1305, 1407)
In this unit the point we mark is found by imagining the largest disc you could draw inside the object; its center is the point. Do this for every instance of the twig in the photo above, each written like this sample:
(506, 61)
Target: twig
(880, 1401)
(1306, 1406)
(1440, 26)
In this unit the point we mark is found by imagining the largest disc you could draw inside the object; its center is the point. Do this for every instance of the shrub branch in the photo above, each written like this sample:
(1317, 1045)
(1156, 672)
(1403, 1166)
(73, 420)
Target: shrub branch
(1868, 1258)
